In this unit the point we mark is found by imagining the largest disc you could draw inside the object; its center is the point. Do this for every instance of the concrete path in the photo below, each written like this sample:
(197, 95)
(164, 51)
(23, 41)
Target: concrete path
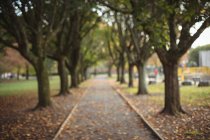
(103, 115)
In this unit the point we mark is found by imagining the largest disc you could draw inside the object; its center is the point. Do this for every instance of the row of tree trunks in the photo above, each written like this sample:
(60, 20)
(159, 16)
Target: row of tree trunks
(142, 88)
(26, 72)
(43, 80)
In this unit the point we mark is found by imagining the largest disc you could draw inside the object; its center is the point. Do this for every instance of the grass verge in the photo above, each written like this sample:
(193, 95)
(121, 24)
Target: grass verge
(25, 86)
(190, 95)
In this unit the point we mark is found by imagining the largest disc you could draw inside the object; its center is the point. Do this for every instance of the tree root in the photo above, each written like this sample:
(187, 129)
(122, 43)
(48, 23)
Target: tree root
(39, 107)
(172, 113)
(63, 93)
(142, 93)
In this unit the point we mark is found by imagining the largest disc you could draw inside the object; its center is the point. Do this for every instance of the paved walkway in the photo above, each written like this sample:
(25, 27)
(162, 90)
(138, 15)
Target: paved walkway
(103, 115)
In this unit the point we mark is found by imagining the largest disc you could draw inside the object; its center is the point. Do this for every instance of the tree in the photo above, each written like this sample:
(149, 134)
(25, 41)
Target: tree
(142, 48)
(92, 50)
(82, 20)
(141, 53)
(139, 36)
(178, 17)
(122, 35)
(28, 27)
(66, 47)
(58, 52)
(131, 64)
(114, 51)
(109, 65)
(126, 44)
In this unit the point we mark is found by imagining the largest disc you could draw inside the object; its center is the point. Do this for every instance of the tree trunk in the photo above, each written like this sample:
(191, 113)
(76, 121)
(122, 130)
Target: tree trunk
(79, 78)
(63, 74)
(18, 73)
(85, 74)
(43, 84)
(27, 72)
(122, 78)
(118, 73)
(95, 71)
(130, 75)
(74, 76)
(110, 71)
(142, 88)
(74, 58)
(172, 96)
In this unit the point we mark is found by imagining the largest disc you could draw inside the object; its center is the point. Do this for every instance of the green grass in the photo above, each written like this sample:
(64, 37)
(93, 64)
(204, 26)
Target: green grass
(189, 94)
(195, 95)
(25, 86)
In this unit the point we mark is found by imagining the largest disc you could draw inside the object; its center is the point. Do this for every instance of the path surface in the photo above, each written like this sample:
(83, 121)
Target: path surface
(103, 115)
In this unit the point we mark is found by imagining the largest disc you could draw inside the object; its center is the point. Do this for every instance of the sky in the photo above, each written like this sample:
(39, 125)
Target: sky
(203, 39)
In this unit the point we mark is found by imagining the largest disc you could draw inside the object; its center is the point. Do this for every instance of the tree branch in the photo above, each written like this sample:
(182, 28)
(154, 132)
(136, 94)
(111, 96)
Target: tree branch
(93, 26)
(205, 24)
(114, 8)
(9, 44)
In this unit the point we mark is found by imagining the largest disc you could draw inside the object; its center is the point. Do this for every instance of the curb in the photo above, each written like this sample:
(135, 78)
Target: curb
(139, 114)
(69, 116)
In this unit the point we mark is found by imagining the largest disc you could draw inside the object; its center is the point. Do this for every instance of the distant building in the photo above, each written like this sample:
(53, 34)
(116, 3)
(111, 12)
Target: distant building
(204, 58)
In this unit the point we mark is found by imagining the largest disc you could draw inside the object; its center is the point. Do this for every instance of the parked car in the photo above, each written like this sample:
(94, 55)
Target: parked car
(152, 79)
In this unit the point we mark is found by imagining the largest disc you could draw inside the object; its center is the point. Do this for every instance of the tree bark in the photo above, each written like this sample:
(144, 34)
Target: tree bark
(79, 78)
(74, 76)
(85, 74)
(118, 73)
(18, 72)
(43, 84)
(142, 88)
(110, 71)
(63, 74)
(130, 75)
(27, 72)
(122, 77)
(172, 95)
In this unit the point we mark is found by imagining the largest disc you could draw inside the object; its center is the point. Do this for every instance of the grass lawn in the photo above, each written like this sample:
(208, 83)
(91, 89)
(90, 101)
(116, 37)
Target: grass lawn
(189, 94)
(25, 86)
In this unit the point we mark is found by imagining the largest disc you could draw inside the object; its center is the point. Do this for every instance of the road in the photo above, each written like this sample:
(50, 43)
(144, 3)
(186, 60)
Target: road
(103, 115)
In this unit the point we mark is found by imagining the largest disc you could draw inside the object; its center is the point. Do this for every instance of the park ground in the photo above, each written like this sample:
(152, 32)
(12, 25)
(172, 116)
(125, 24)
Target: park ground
(194, 125)
(18, 121)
